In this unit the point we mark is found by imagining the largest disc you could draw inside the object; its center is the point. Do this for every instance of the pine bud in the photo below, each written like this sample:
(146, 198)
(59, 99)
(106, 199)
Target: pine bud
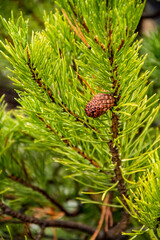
(99, 104)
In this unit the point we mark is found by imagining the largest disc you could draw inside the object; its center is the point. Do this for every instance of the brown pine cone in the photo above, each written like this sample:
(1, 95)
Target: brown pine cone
(99, 104)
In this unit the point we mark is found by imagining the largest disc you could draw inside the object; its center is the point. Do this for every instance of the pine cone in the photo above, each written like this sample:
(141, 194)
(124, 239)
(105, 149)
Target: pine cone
(99, 104)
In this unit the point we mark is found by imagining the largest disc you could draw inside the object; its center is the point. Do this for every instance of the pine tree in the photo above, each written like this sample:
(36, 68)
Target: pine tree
(84, 127)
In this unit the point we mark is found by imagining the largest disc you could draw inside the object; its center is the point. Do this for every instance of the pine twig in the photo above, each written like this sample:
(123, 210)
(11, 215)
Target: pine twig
(81, 18)
(44, 193)
(25, 170)
(22, 166)
(41, 233)
(114, 149)
(46, 89)
(100, 44)
(79, 78)
(112, 234)
(83, 23)
(116, 231)
(49, 223)
(67, 142)
(121, 45)
(76, 29)
(85, 83)
(115, 125)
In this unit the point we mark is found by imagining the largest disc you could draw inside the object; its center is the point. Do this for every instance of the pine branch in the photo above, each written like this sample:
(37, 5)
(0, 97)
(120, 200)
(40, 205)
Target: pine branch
(82, 80)
(121, 226)
(115, 125)
(37, 79)
(121, 45)
(114, 63)
(112, 234)
(22, 166)
(78, 76)
(115, 119)
(83, 23)
(25, 170)
(49, 223)
(75, 12)
(76, 29)
(46, 89)
(100, 44)
(44, 193)
(114, 149)
(67, 142)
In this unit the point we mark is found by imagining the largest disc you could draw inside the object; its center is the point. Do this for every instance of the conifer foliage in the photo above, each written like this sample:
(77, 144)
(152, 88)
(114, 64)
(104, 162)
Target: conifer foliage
(87, 55)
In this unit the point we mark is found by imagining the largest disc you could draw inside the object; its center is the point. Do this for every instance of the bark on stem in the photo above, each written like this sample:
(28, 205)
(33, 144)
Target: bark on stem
(114, 147)
(48, 223)
(44, 223)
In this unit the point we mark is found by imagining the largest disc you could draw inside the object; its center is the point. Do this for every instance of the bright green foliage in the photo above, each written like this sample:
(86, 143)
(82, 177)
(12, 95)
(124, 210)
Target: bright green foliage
(52, 118)
(26, 157)
(146, 207)
(31, 9)
(31, 160)
(152, 48)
